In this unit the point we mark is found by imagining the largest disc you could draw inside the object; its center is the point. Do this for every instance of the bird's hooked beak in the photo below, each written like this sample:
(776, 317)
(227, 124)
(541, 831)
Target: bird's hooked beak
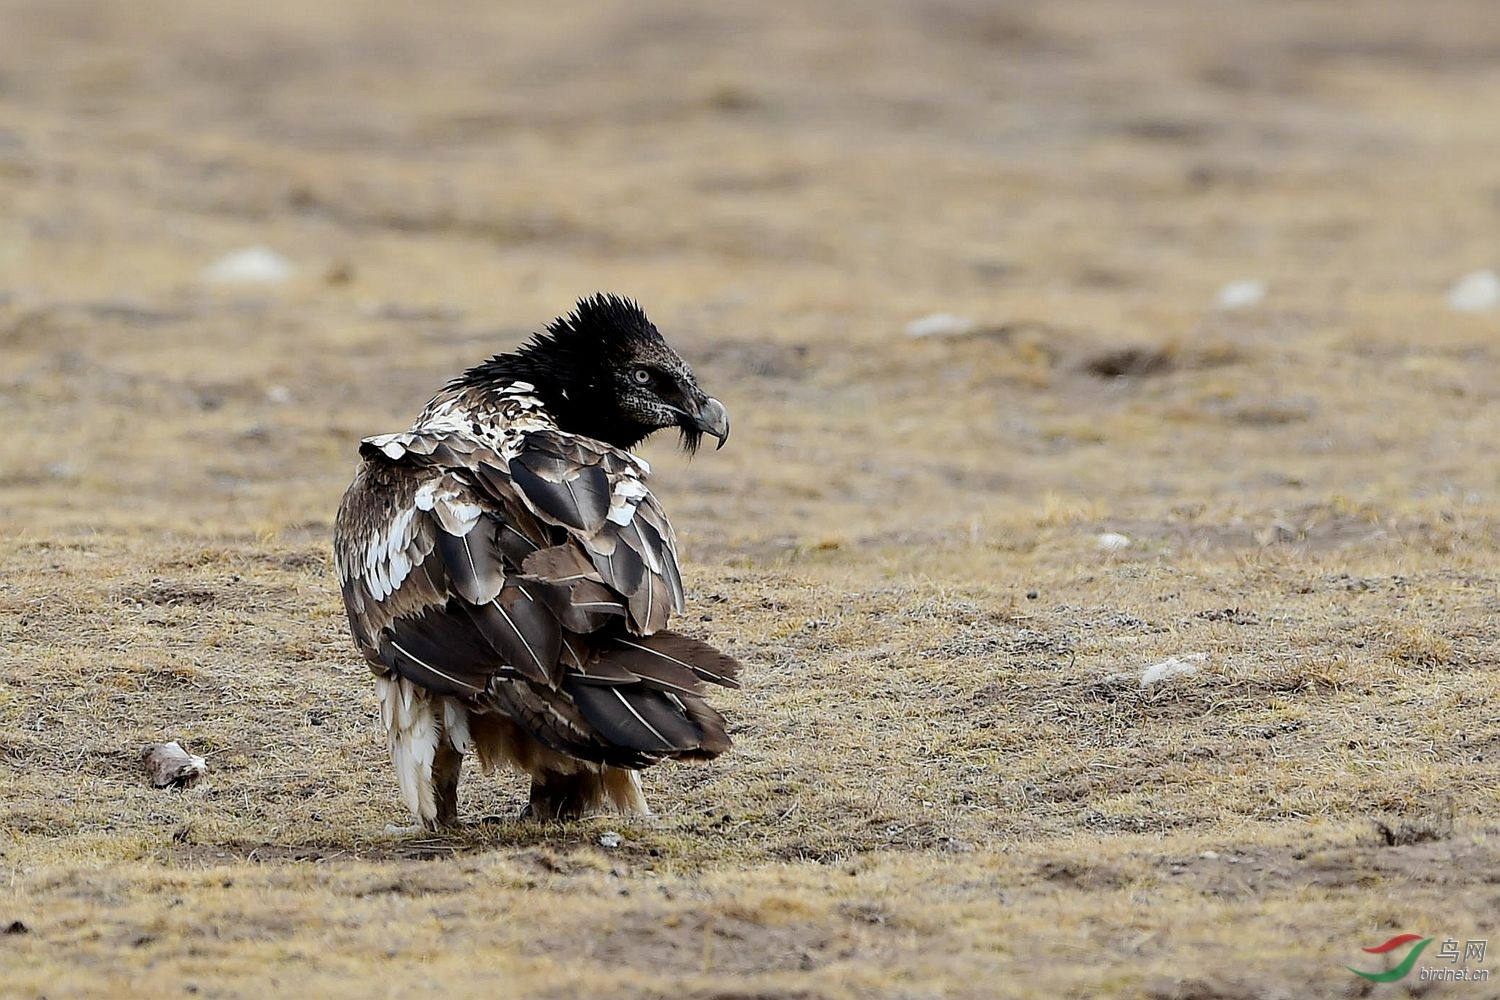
(712, 418)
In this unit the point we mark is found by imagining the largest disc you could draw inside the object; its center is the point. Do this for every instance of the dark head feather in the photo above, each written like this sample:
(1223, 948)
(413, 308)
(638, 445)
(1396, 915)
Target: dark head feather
(601, 328)
(586, 366)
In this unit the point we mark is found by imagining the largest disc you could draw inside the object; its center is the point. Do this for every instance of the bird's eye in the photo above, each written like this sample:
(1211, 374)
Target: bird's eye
(642, 376)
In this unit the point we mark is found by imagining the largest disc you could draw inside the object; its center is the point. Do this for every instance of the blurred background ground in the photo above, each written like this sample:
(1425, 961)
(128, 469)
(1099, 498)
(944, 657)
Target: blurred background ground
(947, 560)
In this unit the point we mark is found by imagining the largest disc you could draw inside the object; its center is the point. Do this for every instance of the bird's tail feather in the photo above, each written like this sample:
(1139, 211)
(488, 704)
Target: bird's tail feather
(645, 693)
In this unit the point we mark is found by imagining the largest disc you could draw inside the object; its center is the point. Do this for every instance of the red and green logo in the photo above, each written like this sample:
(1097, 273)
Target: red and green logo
(1400, 971)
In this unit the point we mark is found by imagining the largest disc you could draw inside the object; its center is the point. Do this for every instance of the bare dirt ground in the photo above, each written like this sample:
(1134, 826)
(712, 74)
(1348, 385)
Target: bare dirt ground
(948, 779)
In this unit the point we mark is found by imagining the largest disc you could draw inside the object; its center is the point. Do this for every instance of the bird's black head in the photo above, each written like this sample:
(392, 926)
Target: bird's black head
(604, 371)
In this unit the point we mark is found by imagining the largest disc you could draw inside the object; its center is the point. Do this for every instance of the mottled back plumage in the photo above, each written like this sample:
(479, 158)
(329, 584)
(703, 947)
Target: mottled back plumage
(509, 576)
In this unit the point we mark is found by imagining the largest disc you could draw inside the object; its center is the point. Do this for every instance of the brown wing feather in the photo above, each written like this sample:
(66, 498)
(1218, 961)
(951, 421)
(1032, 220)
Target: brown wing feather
(538, 588)
(572, 482)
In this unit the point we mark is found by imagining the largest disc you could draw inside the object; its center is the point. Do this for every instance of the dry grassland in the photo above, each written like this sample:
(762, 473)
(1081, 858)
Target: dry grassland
(948, 779)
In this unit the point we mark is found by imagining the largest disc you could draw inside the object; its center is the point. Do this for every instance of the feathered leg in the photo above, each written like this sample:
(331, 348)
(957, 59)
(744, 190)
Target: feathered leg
(418, 748)
(559, 796)
(446, 765)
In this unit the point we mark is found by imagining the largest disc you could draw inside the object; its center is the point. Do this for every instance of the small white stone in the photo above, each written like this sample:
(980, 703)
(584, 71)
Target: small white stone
(1173, 666)
(940, 325)
(251, 266)
(1241, 294)
(1110, 541)
(278, 394)
(1209, 855)
(1476, 292)
(397, 830)
(610, 839)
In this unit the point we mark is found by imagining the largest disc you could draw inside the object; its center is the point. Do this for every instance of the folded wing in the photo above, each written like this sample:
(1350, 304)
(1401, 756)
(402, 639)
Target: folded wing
(535, 580)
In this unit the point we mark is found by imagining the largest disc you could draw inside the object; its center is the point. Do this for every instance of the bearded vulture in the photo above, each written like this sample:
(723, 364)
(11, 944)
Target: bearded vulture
(508, 574)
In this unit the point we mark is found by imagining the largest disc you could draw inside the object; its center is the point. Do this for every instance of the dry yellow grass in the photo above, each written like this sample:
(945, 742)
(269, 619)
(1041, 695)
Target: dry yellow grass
(948, 780)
